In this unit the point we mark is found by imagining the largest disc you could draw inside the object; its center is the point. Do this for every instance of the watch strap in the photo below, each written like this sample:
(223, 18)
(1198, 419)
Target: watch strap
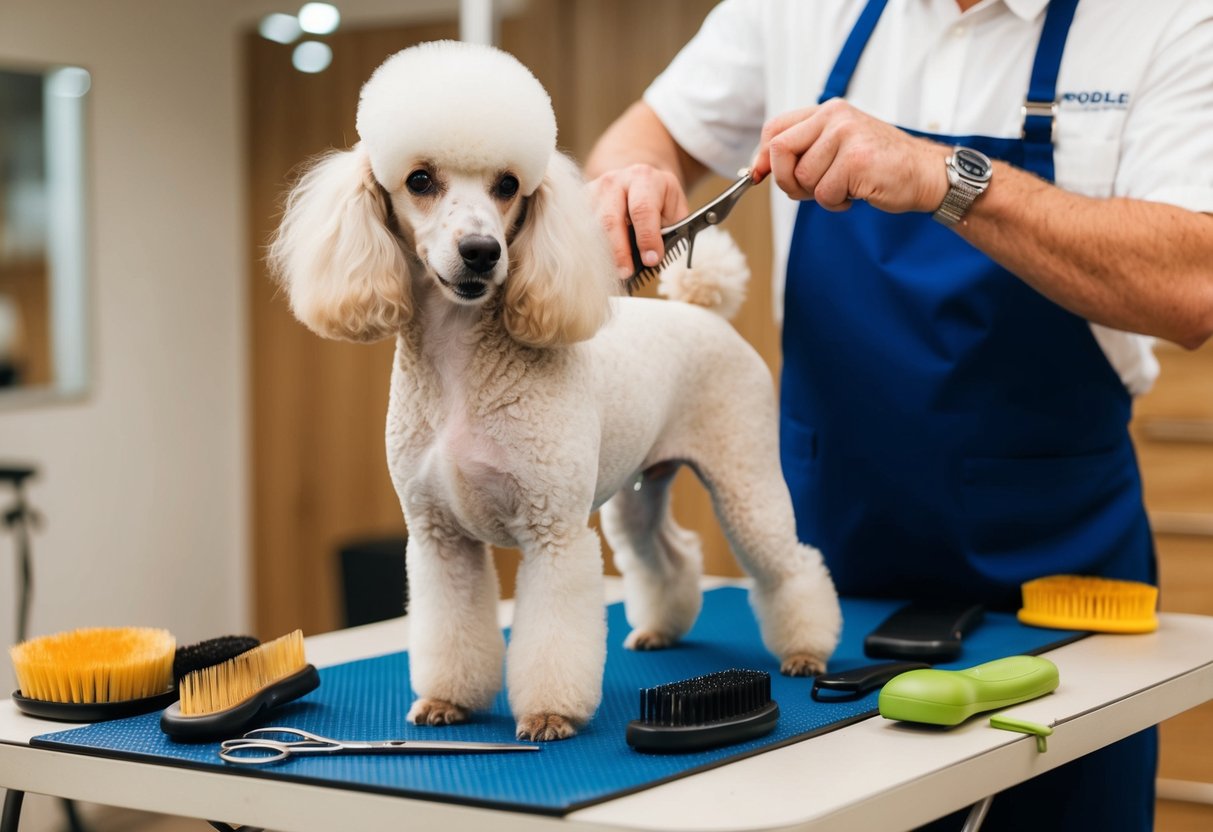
(956, 203)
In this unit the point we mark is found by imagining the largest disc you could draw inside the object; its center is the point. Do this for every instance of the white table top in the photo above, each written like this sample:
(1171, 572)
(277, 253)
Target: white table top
(872, 775)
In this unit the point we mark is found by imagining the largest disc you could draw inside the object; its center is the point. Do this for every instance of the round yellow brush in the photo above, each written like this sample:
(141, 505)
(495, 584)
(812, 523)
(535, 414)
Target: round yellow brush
(1079, 602)
(95, 673)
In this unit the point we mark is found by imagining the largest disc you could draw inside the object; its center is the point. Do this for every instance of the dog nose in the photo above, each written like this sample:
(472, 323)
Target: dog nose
(479, 253)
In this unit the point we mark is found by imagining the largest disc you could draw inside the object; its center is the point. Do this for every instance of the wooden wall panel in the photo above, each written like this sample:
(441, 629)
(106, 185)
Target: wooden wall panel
(318, 407)
(1173, 431)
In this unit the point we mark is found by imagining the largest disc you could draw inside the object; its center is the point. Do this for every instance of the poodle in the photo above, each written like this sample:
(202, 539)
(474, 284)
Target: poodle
(525, 395)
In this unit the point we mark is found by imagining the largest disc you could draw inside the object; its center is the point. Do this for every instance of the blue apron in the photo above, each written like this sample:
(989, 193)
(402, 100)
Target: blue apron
(948, 432)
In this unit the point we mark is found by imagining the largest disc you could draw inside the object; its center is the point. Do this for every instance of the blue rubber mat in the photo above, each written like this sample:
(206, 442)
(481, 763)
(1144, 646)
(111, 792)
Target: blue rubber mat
(368, 699)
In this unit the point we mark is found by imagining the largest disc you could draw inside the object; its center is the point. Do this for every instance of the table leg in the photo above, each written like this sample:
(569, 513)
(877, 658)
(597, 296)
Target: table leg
(12, 810)
(977, 814)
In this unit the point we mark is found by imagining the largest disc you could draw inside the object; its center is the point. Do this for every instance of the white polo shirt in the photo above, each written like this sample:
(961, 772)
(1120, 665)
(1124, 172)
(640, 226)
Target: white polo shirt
(1135, 94)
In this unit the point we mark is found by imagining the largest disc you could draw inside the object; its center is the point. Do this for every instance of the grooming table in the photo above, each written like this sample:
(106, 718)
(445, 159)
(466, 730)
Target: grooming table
(1111, 687)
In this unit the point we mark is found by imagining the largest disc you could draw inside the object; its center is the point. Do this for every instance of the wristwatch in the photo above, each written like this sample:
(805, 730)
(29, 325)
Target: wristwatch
(969, 175)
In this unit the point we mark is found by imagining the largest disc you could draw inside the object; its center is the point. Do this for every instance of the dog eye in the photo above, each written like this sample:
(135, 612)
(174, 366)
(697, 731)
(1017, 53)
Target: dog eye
(420, 182)
(508, 186)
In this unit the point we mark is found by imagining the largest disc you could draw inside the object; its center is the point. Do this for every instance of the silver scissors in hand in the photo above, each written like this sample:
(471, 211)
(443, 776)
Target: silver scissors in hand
(256, 748)
(681, 235)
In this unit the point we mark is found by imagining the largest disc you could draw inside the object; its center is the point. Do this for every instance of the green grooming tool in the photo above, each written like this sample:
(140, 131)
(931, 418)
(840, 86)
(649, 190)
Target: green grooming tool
(949, 697)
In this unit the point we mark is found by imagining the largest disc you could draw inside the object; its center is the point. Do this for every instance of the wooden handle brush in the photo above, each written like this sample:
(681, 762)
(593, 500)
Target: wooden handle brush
(220, 701)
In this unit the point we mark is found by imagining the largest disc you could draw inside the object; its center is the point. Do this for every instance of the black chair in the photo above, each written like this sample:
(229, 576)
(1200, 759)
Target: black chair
(374, 582)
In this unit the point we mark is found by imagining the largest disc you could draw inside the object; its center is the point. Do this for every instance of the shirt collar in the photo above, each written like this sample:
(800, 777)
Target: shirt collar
(1026, 10)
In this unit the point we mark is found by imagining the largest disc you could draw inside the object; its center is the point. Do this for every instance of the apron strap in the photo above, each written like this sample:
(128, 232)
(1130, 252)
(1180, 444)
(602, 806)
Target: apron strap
(848, 58)
(1040, 107)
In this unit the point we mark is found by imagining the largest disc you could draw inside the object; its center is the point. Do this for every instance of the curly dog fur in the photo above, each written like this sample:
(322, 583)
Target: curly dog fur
(524, 396)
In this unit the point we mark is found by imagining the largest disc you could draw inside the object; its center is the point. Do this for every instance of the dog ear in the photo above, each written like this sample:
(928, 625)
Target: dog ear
(561, 272)
(344, 270)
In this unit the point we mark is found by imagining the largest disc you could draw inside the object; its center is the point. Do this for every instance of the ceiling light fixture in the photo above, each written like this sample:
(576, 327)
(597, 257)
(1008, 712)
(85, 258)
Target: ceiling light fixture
(312, 56)
(319, 18)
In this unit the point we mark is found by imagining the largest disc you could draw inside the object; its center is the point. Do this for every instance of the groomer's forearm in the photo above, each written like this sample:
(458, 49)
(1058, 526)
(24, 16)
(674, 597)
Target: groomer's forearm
(639, 137)
(1128, 264)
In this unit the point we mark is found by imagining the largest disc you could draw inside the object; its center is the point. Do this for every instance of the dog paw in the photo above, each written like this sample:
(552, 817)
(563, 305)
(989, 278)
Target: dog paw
(802, 664)
(647, 640)
(543, 727)
(436, 712)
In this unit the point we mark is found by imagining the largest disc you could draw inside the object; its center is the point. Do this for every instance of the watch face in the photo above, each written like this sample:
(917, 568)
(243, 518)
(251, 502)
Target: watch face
(972, 164)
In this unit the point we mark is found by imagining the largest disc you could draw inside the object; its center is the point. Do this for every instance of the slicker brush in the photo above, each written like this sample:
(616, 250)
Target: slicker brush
(704, 712)
(94, 673)
(1102, 605)
(220, 700)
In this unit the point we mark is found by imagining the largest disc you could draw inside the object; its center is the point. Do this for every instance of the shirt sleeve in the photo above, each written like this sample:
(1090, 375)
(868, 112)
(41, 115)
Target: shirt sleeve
(712, 95)
(1167, 144)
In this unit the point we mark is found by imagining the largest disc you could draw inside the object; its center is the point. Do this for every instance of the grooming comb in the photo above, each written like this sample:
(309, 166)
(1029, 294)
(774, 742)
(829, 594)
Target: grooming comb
(681, 235)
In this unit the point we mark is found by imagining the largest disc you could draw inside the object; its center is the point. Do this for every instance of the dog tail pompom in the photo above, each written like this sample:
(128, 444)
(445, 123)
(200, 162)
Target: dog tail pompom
(716, 280)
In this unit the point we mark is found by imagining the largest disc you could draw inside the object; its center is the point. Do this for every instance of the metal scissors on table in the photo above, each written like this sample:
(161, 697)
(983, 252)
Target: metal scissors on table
(255, 748)
(681, 234)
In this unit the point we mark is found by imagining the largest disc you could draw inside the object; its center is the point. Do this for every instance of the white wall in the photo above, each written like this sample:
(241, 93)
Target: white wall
(143, 483)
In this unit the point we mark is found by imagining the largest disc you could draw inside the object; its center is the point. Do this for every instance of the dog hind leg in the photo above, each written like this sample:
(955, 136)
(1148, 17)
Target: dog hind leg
(661, 562)
(793, 595)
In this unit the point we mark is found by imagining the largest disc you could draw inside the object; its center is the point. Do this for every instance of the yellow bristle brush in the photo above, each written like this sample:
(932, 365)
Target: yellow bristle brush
(1078, 602)
(95, 673)
(218, 701)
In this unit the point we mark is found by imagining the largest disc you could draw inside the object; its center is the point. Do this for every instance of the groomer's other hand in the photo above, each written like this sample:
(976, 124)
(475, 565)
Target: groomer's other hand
(833, 153)
(645, 197)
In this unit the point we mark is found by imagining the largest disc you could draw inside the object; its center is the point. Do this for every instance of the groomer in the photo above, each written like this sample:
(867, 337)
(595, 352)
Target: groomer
(986, 208)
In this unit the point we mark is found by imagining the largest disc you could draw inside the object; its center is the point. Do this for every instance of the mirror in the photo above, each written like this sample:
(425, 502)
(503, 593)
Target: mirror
(43, 262)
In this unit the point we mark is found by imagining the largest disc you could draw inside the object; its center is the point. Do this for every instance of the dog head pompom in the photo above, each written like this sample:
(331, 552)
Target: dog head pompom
(459, 104)
(717, 278)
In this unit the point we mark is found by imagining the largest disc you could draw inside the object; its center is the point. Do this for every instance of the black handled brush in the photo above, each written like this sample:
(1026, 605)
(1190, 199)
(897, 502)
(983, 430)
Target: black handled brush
(704, 712)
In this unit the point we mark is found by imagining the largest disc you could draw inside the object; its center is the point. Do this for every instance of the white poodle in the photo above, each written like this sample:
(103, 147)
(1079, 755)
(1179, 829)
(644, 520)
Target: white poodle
(524, 396)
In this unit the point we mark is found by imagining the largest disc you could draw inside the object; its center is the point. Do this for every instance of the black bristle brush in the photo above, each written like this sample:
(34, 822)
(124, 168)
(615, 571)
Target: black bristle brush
(209, 653)
(704, 712)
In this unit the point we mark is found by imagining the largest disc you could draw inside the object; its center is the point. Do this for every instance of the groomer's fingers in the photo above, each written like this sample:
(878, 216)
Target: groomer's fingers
(817, 172)
(655, 198)
(610, 201)
(838, 153)
(832, 190)
(642, 197)
(762, 160)
(787, 149)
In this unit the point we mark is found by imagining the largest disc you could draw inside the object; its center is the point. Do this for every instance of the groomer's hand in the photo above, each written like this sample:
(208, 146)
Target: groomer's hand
(833, 153)
(644, 197)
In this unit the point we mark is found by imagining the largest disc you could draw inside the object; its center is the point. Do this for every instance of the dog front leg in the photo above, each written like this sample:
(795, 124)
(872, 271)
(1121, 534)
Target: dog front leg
(558, 639)
(455, 645)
